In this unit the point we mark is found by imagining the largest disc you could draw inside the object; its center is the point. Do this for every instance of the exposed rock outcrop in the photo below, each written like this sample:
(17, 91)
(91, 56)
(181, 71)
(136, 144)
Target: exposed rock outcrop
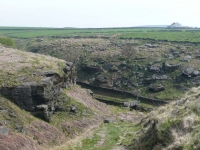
(41, 97)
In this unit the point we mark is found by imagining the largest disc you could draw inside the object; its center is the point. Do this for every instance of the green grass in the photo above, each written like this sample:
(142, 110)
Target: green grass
(22, 118)
(65, 115)
(182, 36)
(7, 41)
(106, 136)
(189, 35)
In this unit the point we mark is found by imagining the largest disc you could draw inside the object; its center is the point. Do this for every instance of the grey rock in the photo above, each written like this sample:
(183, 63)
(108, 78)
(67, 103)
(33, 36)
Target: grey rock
(42, 107)
(135, 84)
(156, 88)
(180, 102)
(150, 45)
(24, 130)
(171, 67)
(188, 72)
(7, 122)
(107, 121)
(4, 111)
(132, 104)
(118, 83)
(177, 54)
(170, 57)
(182, 51)
(69, 63)
(21, 129)
(198, 56)
(101, 79)
(22, 78)
(196, 73)
(114, 69)
(13, 115)
(4, 130)
(74, 109)
(150, 63)
(158, 60)
(154, 69)
(123, 63)
(90, 93)
(187, 58)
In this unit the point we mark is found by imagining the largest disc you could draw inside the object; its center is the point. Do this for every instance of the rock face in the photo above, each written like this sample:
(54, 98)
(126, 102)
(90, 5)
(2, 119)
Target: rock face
(41, 97)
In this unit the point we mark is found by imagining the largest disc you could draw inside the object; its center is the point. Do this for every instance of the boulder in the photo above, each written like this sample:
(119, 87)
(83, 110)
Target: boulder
(107, 121)
(171, 67)
(132, 104)
(188, 72)
(101, 79)
(156, 88)
(74, 109)
(114, 69)
(187, 58)
(176, 54)
(158, 60)
(198, 56)
(196, 73)
(150, 45)
(170, 57)
(90, 93)
(4, 130)
(68, 67)
(154, 69)
(118, 83)
(123, 64)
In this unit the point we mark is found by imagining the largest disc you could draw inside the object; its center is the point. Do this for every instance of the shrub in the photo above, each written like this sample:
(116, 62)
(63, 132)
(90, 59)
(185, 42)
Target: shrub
(7, 41)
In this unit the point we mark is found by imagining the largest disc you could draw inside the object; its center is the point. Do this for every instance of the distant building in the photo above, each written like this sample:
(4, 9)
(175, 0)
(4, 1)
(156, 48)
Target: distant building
(175, 25)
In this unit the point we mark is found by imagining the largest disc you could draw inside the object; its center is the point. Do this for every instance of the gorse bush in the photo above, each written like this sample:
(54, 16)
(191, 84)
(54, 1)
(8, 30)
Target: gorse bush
(7, 41)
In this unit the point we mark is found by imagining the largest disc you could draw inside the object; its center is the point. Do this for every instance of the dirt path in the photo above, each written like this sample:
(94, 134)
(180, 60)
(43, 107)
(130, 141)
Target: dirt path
(78, 138)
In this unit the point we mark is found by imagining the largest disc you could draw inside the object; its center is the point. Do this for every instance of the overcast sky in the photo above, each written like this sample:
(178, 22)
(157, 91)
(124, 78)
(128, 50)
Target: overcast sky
(98, 13)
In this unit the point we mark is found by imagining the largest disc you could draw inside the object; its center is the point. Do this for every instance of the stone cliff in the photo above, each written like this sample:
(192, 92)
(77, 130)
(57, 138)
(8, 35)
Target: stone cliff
(39, 90)
(41, 97)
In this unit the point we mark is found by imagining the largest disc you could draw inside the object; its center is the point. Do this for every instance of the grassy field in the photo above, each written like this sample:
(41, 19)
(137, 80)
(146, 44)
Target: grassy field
(66, 32)
(189, 36)
(182, 35)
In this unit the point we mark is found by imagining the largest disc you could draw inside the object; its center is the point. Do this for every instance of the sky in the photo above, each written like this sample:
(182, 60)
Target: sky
(98, 13)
